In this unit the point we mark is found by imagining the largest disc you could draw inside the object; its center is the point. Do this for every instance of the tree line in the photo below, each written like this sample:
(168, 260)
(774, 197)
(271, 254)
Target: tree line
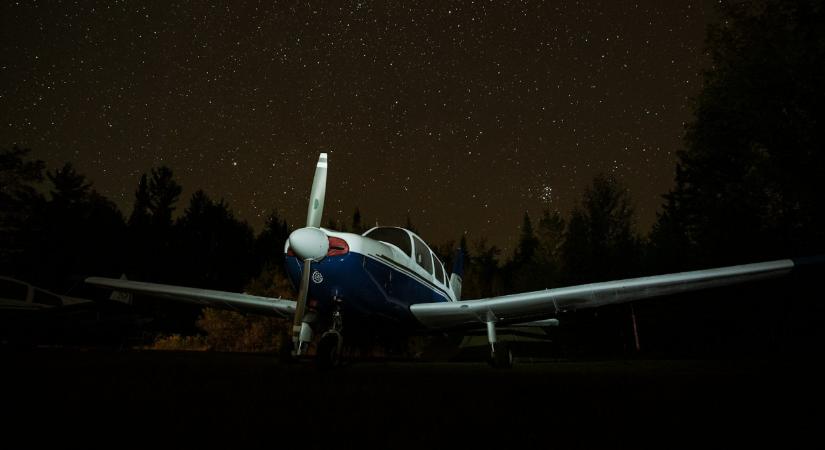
(57, 229)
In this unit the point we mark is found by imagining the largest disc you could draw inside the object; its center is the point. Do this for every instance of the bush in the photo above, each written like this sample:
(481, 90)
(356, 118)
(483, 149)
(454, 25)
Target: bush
(229, 331)
(178, 342)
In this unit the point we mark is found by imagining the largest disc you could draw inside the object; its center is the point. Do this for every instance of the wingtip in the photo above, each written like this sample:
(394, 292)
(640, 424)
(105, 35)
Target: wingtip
(807, 261)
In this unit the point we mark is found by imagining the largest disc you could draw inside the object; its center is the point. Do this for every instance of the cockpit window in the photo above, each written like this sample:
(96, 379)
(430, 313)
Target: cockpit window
(394, 236)
(422, 255)
(439, 269)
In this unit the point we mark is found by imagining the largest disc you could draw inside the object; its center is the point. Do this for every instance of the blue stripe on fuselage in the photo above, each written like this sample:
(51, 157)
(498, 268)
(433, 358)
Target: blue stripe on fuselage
(370, 288)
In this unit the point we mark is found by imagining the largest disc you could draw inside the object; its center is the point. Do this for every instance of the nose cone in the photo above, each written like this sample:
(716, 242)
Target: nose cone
(309, 243)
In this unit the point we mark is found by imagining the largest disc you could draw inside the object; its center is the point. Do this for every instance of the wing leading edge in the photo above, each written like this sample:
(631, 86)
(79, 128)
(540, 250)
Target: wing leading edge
(535, 305)
(205, 297)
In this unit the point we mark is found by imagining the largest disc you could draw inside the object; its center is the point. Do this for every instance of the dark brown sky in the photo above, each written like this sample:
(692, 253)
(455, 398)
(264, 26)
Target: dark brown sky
(462, 114)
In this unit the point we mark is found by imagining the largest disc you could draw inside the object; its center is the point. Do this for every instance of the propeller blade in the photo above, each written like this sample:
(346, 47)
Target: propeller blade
(316, 196)
(309, 243)
(297, 321)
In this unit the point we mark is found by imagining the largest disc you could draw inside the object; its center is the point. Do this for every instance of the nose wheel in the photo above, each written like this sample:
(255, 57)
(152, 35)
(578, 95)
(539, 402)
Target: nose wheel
(329, 350)
(330, 346)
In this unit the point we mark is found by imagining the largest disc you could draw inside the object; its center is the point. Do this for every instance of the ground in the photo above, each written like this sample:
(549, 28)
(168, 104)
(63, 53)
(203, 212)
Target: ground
(157, 398)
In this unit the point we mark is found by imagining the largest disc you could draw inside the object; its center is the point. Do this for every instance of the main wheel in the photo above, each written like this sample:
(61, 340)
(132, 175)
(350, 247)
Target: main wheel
(501, 357)
(329, 351)
(286, 348)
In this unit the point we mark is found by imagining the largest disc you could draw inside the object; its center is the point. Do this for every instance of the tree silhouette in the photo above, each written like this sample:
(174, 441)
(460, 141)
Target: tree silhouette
(482, 273)
(163, 194)
(527, 242)
(77, 232)
(521, 273)
(357, 227)
(486, 261)
(548, 258)
(19, 200)
(140, 217)
(269, 245)
(68, 186)
(332, 224)
(600, 242)
(409, 225)
(213, 249)
(754, 151)
(150, 226)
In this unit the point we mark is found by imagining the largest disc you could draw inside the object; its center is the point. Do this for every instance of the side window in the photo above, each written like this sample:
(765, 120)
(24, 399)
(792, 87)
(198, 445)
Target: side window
(439, 270)
(422, 255)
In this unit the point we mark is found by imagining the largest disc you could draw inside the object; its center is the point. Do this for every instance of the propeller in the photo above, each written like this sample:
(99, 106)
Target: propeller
(310, 244)
(316, 196)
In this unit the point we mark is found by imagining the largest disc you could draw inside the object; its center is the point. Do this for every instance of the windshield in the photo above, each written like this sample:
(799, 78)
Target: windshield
(395, 236)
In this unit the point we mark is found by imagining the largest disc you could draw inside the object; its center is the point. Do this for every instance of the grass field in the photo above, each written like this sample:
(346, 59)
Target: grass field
(253, 400)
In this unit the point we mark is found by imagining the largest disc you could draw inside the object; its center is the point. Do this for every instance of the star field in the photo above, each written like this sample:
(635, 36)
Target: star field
(461, 114)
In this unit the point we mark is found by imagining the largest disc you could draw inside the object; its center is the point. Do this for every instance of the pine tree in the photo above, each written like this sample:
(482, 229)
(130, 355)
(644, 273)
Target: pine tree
(745, 181)
(600, 243)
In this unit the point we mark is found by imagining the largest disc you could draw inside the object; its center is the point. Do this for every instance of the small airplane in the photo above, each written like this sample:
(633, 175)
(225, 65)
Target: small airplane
(31, 315)
(22, 296)
(390, 281)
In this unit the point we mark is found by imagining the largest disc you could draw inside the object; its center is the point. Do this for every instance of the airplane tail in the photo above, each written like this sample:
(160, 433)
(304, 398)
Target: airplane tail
(458, 272)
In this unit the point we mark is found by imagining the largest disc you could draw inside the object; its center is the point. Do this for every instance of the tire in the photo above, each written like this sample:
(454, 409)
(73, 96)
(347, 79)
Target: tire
(501, 357)
(329, 351)
(285, 349)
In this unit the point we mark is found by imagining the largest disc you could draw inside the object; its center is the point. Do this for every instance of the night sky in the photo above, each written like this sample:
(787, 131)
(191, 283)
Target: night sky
(461, 114)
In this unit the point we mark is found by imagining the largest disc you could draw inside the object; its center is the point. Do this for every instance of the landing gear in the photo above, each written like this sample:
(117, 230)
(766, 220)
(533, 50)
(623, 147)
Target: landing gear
(329, 350)
(304, 336)
(286, 349)
(501, 357)
(331, 344)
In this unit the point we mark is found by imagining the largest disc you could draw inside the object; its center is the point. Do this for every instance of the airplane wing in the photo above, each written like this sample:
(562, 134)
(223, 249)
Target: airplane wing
(531, 306)
(205, 297)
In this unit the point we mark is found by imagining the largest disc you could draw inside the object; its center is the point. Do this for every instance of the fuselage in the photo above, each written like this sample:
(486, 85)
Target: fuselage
(377, 278)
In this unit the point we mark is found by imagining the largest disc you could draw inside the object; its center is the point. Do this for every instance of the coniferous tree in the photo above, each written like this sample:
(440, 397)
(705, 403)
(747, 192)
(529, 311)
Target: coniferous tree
(486, 260)
(600, 243)
(753, 153)
(550, 237)
(150, 226)
(163, 194)
(79, 232)
(521, 272)
(527, 243)
(140, 217)
(214, 249)
(68, 187)
(357, 227)
(19, 202)
(482, 276)
(409, 225)
(269, 245)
